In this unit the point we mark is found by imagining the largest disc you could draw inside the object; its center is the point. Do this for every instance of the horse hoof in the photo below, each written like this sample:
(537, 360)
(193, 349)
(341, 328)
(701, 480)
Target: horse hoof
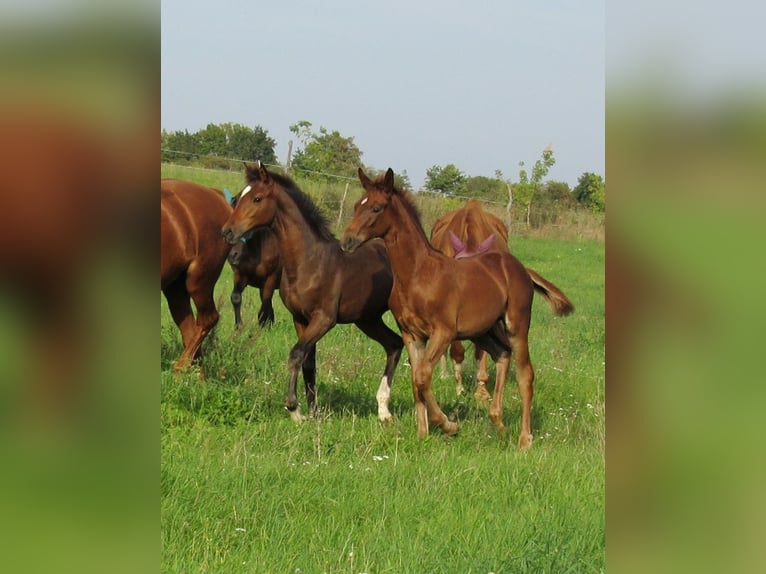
(481, 394)
(525, 441)
(296, 416)
(450, 428)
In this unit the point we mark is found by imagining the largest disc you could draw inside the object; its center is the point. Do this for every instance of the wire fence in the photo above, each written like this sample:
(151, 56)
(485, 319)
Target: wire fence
(331, 195)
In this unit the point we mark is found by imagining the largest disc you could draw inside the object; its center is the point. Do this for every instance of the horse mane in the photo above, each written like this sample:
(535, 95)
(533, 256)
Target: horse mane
(314, 217)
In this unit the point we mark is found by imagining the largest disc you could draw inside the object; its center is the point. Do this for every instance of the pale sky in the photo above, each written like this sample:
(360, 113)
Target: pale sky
(482, 84)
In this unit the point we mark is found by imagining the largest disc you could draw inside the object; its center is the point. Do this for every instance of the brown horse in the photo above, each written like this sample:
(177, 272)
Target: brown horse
(256, 262)
(320, 284)
(436, 299)
(193, 256)
(476, 230)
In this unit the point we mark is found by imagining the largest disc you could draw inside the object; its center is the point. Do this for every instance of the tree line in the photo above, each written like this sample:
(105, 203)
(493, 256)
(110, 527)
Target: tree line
(325, 154)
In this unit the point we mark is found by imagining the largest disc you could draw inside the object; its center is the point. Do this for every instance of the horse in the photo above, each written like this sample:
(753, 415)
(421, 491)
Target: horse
(320, 285)
(435, 299)
(462, 233)
(192, 258)
(60, 222)
(255, 261)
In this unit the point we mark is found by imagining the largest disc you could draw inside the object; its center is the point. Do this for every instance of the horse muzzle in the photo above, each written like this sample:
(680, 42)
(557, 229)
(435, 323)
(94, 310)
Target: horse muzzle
(230, 235)
(350, 243)
(235, 254)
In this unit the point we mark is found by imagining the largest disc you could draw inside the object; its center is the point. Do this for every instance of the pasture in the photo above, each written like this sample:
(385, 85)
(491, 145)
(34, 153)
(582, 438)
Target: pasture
(244, 489)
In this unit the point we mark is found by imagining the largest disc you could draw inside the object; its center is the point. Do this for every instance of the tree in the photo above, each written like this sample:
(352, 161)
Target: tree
(178, 145)
(401, 180)
(527, 186)
(326, 153)
(212, 140)
(485, 188)
(590, 191)
(447, 180)
(227, 140)
(249, 144)
(558, 193)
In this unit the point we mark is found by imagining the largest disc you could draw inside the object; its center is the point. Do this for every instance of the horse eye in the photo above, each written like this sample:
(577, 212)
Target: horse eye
(257, 199)
(377, 208)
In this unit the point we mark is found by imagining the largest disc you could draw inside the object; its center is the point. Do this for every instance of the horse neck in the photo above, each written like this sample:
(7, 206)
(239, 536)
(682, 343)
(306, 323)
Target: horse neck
(406, 242)
(294, 235)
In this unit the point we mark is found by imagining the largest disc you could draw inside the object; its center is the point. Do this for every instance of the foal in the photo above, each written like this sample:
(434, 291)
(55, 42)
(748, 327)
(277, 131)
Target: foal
(461, 233)
(435, 299)
(320, 284)
(256, 262)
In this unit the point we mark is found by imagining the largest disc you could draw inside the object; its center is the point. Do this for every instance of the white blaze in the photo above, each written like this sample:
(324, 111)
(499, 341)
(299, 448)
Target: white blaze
(244, 191)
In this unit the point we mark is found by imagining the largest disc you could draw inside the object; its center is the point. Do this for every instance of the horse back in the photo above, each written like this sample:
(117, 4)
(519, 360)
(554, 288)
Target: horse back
(465, 296)
(472, 225)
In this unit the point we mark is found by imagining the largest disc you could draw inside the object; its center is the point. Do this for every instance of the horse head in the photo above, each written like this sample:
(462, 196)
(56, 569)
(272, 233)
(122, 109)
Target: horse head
(254, 206)
(369, 218)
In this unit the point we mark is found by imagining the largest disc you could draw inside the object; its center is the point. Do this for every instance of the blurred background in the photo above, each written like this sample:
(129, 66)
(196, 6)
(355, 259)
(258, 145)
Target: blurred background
(686, 143)
(686, 162)
(79, 440)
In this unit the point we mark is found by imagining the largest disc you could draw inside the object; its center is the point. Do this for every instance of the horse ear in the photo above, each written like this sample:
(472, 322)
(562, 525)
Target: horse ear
(248, 170)
(262, 173)
(486, 244)
(366, 182)
(457, 245)
(389, 180)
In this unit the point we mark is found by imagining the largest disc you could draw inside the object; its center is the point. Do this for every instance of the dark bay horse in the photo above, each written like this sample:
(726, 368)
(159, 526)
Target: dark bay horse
(320, 284)
(476, 230)
(256, 262)
(193, 255)
(435, 299)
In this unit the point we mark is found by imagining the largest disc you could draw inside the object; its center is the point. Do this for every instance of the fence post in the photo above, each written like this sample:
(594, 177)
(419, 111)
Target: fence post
(342, 201)
(289, 161)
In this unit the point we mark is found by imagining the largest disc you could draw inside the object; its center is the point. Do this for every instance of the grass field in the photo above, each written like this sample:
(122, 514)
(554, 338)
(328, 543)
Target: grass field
(244, 489)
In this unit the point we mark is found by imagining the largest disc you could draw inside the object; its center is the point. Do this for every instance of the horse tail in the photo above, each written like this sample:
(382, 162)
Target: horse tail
(559, 302)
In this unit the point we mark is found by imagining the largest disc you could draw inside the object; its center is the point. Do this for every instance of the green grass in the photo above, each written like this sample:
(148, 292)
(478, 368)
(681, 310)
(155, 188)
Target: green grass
(244, 489)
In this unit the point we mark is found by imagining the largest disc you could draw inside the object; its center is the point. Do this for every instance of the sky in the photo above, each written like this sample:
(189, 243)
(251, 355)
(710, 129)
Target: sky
(482, 85)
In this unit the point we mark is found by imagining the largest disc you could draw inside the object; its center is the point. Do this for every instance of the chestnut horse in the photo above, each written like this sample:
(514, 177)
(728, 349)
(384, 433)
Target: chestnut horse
(435, 299)
(193, 255)
(256, 262)
(475, 231)
(320, 284)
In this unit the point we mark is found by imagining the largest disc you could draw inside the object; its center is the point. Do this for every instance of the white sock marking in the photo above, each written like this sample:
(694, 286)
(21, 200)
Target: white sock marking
(383, 394)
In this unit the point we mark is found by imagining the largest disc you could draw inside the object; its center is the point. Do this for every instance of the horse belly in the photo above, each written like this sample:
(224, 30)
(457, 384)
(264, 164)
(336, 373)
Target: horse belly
(479, 307)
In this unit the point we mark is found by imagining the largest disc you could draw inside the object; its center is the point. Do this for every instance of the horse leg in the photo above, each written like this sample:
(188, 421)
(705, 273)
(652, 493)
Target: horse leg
(525, 376)
(415, 351)
(392, 344)
(240, 283)
(266, 312)
(443, 367)
(502, 364)
(200, 285)
(181, 310)
(308, 335)
(437, 346)
(309, 369)
(482, 377)
(457, 354)
(497, 343)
